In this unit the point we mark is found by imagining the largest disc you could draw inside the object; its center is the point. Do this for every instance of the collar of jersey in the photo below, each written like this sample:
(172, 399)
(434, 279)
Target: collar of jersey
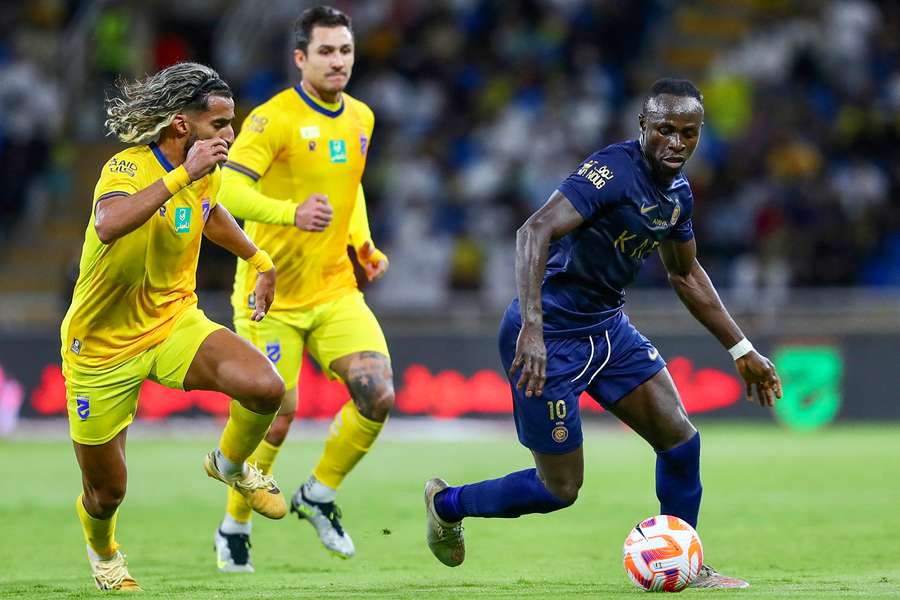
(161, 157)
(319, 106)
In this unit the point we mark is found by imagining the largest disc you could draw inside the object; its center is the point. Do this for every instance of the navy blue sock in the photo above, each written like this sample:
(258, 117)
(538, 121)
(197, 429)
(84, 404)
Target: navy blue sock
(517, 494)
(678, 480)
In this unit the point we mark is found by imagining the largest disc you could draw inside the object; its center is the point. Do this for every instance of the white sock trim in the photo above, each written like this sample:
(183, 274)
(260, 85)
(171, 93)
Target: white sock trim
(231, 525)
(317, 491)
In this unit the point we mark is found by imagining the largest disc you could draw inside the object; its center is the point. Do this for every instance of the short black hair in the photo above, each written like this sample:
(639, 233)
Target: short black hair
(323, 16)
(675, 87)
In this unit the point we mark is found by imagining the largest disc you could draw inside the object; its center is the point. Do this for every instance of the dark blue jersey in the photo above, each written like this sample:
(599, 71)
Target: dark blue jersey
(626, 217)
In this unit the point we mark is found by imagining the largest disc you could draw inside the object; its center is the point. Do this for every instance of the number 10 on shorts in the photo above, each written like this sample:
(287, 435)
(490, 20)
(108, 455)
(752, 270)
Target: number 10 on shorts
(557, 410)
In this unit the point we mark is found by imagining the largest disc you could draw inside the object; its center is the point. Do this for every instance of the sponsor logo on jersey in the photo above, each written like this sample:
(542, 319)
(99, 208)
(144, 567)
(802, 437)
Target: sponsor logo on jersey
(204, 205)
(363, 144)
(83, 406)
(652, 353)
(76, 346)
(122, 166)
(647, 208)
(338, 151)
(273, 351)
(310, 132)
(598, 176)
(560, 434)
(257, 123)
(183, 219)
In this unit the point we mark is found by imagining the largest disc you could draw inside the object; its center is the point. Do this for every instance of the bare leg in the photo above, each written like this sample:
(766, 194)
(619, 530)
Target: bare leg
(103, 475)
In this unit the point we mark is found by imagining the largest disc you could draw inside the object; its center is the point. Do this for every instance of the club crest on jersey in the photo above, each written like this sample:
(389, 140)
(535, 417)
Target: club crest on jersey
(162, 210)
(312, 146)
(83, 406)
(363, 144)
(183, 219)
(273, 351)
(204, 204)
(560, 434)
(675, 214)
(76, 346)
(338, 151)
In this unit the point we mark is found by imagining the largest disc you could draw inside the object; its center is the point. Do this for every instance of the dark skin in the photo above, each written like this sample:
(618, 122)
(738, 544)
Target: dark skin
(670, 130)
(224, 362)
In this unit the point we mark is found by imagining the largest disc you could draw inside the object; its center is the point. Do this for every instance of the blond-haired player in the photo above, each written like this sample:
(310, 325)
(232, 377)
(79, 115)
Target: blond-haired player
(294, 176)
(134, 312)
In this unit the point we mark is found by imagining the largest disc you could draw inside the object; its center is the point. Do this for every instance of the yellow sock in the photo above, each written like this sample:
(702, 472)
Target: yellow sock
(100, 534)
(264, 457)
(351, 437)
(243, 432)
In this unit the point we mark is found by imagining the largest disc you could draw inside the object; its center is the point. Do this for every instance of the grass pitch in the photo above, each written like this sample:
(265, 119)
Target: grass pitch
(798, 515)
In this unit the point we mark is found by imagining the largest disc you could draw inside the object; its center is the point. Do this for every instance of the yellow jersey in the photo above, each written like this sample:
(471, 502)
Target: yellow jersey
(131, 292)
(292, 146)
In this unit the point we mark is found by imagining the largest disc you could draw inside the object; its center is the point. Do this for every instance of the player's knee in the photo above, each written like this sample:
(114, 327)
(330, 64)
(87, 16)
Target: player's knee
(380, 405)
(279, 429)
(104, 501)
(565, 489)
(268, 390)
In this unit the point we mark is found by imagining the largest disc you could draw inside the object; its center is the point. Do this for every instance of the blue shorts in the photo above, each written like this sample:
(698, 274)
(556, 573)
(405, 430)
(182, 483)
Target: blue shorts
(607, 365)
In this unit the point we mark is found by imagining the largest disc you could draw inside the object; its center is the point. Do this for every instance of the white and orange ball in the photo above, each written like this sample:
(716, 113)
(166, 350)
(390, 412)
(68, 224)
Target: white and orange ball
(662, 554)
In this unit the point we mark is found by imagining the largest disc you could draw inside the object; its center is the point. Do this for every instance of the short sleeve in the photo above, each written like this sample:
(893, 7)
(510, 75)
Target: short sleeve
(683, 231)
(121, 176)
(600, 181)
(260, 141)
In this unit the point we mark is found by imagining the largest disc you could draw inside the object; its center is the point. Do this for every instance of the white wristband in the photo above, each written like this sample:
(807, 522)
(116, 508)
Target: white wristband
(740, 349)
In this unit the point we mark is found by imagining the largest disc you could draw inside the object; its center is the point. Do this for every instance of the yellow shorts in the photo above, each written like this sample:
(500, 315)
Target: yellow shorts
(101, 403)
(329, 331)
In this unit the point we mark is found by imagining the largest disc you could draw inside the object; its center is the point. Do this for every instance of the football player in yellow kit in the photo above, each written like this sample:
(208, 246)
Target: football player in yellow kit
(134, 312)
(293, 175)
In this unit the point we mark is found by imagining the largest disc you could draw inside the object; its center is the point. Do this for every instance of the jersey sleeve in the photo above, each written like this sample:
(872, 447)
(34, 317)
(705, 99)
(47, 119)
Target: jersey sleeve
(120, 176)
(599, 182)
(359, 232)
(683, 231)
(260, 141)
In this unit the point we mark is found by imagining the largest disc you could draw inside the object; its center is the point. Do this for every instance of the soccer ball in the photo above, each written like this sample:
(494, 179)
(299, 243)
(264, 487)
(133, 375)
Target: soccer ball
(662, 554)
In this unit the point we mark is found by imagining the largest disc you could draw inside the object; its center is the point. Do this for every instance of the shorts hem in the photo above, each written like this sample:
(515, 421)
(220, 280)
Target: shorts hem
(99, 442)
(605, 403)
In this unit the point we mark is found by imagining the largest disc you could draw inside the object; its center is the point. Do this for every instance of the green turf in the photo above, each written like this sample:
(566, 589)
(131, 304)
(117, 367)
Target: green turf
(799, 515)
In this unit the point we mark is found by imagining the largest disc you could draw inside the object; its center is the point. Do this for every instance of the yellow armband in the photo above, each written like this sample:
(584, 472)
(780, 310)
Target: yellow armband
(261, 261)
(176, 179)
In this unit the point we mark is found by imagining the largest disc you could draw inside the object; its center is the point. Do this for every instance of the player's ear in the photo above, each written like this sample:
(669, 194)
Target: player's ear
(180, 124)
(299, 58)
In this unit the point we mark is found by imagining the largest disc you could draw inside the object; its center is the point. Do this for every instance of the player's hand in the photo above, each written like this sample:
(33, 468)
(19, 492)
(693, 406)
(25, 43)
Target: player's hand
(373, 260)
(531, 358)
(204, 155)
(314, 214)
(760, 378)
(265, 294)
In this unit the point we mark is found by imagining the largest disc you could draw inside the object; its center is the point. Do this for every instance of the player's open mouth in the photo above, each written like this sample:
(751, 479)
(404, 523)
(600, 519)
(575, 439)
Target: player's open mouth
(673, 161)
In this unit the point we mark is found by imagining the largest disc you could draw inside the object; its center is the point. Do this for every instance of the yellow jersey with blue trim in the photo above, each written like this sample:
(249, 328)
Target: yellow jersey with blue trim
(130, 292)
(292, 146)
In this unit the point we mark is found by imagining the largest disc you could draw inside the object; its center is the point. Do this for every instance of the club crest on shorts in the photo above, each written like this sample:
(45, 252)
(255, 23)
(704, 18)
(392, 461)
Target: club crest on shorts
(83, 406)
(273, 351)
(560, 434)
(251, 300)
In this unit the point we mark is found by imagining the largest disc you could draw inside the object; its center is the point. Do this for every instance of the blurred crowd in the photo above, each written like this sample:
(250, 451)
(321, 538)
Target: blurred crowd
(483, 106)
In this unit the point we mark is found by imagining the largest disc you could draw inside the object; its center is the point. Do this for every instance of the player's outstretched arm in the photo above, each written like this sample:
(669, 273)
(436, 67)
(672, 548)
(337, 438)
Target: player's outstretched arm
(121, 214)
(223, 230)
(554, 219)
(696, 291)
(245, 202)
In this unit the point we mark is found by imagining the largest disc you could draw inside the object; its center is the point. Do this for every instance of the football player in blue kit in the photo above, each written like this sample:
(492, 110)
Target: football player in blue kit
(566, 333)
